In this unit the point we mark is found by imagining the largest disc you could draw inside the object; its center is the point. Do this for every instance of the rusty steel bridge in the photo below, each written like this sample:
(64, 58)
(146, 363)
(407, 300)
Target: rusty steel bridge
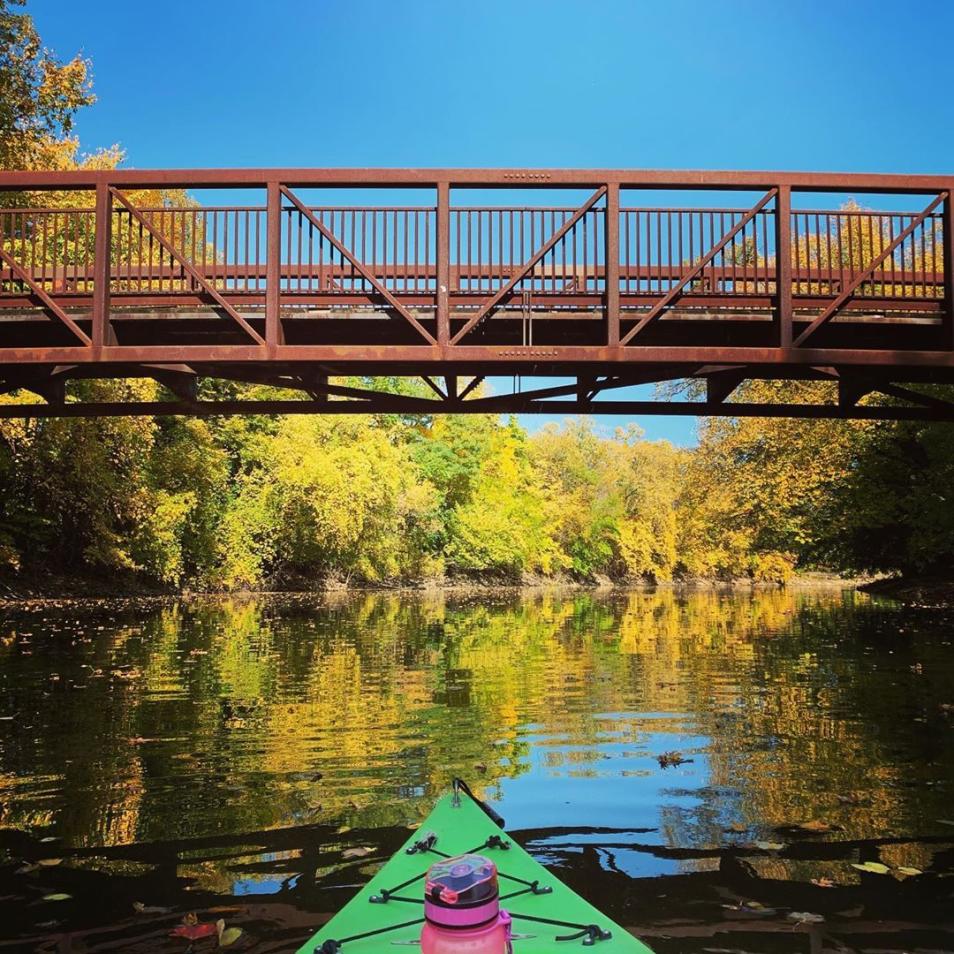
(578, 275)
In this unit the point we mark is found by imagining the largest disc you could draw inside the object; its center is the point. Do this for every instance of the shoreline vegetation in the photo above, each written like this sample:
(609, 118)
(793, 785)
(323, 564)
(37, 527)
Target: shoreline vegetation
(925, 592)
(173, 505)
(53, 589)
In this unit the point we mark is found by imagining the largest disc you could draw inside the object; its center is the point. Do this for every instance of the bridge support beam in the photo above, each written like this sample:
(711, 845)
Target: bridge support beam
(103, 333)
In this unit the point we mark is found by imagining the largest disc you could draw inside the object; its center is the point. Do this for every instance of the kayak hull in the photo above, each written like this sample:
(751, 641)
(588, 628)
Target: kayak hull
(393, 920)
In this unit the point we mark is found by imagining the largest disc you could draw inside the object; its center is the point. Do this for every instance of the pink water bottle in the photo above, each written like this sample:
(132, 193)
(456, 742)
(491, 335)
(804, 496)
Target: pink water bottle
(462, 908)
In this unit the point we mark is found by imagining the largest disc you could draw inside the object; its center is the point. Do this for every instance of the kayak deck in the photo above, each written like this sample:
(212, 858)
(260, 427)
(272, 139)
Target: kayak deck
(366, 927)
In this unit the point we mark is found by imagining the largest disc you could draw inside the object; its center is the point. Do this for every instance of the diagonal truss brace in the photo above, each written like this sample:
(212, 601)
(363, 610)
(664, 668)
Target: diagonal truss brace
(357, 264)
(529, 265)
(432, 384)
(584, 389)
(867, 272)
(47, 302)
(188, 268)
(852, 390)
(720, 384)
(693, 270)
(475, 382)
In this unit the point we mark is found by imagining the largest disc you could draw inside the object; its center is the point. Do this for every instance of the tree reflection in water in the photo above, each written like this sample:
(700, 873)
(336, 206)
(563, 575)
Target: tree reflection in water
(188, 753)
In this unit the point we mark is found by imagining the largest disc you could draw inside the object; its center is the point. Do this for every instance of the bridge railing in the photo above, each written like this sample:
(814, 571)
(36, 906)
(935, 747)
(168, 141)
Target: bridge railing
(455, 273)
(228, 246)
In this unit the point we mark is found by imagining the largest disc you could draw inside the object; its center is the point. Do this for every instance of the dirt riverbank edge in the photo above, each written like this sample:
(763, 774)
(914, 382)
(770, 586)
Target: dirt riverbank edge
(53, 587)
(927, 591)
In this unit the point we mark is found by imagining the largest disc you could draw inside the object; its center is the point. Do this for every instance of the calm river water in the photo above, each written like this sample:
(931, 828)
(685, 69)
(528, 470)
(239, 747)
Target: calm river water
(221, 757)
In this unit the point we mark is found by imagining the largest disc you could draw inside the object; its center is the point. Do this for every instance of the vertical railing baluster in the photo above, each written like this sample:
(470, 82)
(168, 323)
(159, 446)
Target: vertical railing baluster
(611, 255)
(273, 266)
(443, 264)
(947, 239)
(102, 330)
(783, 264)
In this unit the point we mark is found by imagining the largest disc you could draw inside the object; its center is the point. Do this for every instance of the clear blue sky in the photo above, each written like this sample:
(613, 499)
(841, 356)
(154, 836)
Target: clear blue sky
(826, 85)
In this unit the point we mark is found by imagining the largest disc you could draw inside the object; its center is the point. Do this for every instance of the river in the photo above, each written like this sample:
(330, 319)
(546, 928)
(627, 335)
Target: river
(221, 756)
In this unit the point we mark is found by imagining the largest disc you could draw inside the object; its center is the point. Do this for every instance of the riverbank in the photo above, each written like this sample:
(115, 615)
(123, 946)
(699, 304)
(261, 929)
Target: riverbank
(928, 591)
(46, 588)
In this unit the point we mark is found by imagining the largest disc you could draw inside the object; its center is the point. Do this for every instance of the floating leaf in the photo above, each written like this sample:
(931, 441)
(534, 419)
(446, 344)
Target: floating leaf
(805, 917)
(815, 825)
(357, 852)
(193, 932)
(141, 908)
(753, 908)
(823, 882)
(910, 872)
(49, 862)
(872, 867)
(769, 845)
(671, 758)
(227, 936)
(58, 896)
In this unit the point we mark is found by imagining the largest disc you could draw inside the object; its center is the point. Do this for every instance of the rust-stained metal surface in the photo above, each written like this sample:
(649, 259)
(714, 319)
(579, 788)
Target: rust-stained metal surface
(606, 277)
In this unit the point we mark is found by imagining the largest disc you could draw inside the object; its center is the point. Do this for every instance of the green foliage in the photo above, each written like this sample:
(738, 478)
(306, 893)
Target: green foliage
(503, 525)
(245, 503)
(39, 96)
(894, 510)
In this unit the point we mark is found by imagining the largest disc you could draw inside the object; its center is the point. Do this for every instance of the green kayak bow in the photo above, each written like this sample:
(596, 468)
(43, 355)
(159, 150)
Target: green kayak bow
(388, 913)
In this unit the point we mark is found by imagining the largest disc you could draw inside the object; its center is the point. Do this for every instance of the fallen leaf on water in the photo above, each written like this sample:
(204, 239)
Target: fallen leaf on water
(49, 862)
(769, 845)
(141, 908)
(816, 824)
(671, 758)
(872, 867)
(751, 907)
(910, 872)
(193, 932)
(357, 852)
(823, 882)
(805, 917)
(227, 936)
(58, 896)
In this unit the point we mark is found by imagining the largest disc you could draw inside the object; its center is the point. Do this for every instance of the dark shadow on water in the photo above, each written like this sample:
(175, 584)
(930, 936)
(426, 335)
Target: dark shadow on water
(728, 904)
